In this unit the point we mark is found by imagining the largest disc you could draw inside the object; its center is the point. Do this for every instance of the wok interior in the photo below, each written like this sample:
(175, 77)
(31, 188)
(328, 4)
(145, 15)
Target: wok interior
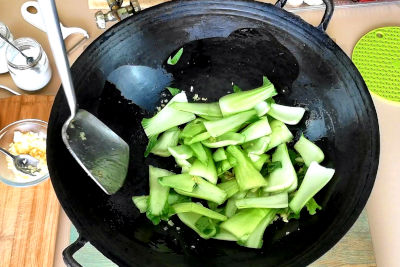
(218, 49)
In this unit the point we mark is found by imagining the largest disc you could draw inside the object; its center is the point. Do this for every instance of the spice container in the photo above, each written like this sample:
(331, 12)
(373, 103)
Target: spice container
(28, 76)
(3, 46)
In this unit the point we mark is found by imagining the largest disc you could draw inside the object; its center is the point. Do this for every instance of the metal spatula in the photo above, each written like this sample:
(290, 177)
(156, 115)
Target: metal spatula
(100, 151)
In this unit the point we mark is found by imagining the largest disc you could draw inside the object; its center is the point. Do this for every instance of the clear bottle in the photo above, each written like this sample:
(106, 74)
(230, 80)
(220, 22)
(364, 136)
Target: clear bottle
(33, 76)
(3, 46)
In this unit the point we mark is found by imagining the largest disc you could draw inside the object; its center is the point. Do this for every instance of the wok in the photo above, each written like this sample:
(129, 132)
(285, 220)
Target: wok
(224, 41)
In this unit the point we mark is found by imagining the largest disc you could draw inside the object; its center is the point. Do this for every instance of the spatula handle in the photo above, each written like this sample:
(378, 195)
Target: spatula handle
(52, 23)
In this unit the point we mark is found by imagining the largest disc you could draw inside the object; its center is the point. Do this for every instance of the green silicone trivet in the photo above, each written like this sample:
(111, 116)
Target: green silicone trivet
(377, 57)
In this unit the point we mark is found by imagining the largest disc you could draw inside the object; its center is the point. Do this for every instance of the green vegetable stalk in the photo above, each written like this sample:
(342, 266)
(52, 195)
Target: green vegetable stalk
(167, 117)
(219, 155)
(183, 181)
(168, 138)
(228, 124)
(206, 170)
(288, 115)
(198, 209)
(274, 202)
(203, 226)
(315, 179)
(245, 100)
(158, 198)
(208, 109)
(309, 151)
(141, 203)
(256, 130)
(243, 223)
(282, 178)
(247, 176)
(205, 190)
(280, 134)
(224, 140)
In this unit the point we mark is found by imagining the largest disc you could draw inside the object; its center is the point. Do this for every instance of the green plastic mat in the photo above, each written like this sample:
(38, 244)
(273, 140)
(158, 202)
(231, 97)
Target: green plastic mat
(377, 57)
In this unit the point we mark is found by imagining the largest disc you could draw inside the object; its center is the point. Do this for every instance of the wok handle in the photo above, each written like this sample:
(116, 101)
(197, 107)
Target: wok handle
(70, 251)
(325, 19)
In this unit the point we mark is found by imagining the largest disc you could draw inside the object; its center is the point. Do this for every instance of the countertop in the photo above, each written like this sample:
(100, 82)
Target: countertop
(347, 26)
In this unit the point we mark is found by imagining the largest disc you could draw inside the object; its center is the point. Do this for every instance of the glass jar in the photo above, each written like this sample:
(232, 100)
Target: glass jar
(33, 76)
(3, 46)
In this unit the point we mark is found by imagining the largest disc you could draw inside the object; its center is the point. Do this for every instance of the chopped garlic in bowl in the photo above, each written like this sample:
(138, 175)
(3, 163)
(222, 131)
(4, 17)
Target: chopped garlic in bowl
(30, 143)
(24, 137)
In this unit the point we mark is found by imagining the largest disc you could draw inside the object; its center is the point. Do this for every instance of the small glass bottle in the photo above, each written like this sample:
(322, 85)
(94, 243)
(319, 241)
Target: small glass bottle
(3, 46)
(28, 76)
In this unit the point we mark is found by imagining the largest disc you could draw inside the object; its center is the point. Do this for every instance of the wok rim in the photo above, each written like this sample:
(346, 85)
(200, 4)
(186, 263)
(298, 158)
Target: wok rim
(329, 238)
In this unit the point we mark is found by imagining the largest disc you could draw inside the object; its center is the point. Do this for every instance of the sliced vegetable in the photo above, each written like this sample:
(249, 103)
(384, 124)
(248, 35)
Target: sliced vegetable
(243, 223)
(209, 118)
(206, 170)
(247, 176)
(274, 202)
(168, 138)
(203, 226)
(224, 140)
(230, 187)
(197, 138)
(173, 91)
(199, 209)
(219, 127)
(256, 130)
(255, 239)
(281, 178)
(205, 190)
(309, 151)
(175, 58)
(141, 203)
(224, 235)
(179, 181)
(315, 179)
(262, 108)
(245, 100)
(158, 198)
(288, 115)
(219, 155)
(223, 166)
(258, 146)
(184, 164)
(230, 207)
(199, 152)
(174, 198)
(260, 161)
(152, 142)
(280, 134)
(181, 152)
(167, 117)
(193, 128)
(208, 109)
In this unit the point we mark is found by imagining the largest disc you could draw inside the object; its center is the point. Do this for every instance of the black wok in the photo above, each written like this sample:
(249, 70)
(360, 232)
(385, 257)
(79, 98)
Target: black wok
(224, 41)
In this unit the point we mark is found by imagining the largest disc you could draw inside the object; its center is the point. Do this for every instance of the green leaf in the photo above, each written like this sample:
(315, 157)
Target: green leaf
(312, 206)
(270, 167)
(173, 91)
(236, 88)
(150, 145)
(175, 58)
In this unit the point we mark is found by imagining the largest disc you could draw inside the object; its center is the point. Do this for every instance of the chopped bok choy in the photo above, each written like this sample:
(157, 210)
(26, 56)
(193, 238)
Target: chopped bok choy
(235, 156)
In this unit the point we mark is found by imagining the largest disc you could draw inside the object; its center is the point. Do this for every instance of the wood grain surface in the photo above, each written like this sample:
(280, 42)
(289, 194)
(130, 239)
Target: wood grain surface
(28, 216)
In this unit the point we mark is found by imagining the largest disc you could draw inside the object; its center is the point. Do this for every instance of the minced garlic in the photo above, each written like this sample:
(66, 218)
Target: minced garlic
(30, 143)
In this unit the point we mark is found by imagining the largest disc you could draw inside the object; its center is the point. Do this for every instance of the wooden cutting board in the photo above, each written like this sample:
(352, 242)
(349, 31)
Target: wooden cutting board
(28, 216)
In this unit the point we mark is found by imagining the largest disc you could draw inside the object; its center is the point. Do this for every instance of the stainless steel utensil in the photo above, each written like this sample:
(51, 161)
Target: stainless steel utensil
(100, 151)
(24, 163)
(9, 89)
(29, 60)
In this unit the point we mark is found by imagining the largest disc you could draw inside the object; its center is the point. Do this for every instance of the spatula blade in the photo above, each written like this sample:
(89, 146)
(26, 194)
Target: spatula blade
(100, 151)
